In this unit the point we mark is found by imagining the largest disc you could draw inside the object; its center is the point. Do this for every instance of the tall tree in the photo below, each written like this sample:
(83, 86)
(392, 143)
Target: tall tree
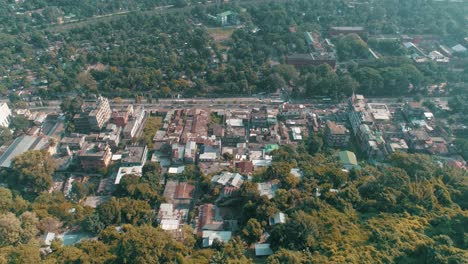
(252, 231)
(34, 170)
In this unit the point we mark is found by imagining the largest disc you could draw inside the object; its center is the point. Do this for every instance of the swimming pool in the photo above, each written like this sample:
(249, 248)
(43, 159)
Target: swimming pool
(72, 238)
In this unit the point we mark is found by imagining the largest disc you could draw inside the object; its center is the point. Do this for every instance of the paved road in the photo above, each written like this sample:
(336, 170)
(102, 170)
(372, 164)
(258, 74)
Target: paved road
(162, 10)
(230, 103)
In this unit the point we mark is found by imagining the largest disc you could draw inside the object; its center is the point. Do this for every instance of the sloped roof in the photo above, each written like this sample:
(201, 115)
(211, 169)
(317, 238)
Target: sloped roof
(348, 157)
(263, 250)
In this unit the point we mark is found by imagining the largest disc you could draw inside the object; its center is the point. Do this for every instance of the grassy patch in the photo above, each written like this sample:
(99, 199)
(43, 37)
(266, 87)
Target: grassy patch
(220, 34)
(153, 124)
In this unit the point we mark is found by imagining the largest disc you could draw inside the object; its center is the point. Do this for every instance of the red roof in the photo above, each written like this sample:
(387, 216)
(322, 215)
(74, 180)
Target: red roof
(184, 191)
(245, 166)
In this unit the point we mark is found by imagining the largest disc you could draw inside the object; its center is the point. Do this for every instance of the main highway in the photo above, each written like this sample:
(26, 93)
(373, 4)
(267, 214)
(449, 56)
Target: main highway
(229, 103)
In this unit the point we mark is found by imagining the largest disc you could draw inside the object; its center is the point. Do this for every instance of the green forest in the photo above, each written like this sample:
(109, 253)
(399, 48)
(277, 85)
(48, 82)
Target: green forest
(160, 53)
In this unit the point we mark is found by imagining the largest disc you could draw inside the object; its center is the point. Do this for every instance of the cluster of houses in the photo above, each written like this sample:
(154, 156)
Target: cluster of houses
(424, 48)
(380, 129)
(229, 144)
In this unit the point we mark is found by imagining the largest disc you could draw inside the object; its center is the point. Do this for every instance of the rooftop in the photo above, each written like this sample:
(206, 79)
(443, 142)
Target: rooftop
(348, 28)
(21, 145)
(133, 170)
(263, 250)
(336, 129)
(348, 157)
(134, 154)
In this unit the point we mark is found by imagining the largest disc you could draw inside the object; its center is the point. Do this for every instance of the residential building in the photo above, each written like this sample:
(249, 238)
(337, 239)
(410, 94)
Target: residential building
(414, 111)
(396, 145)
(131, 129)
(209, 236)
(228, 179)
(418, 140)
(95, 156)
(178, 191)
(227, 18)
(379, 112)
(357, 113)
(277, 218)
(5, 115)
(267, 188)
(110, 135)
(128, 170)
(101, 114)
(336, 135)
(459, 48)
(93, 116)
(209, 218)
(371, 141)
(296, 133)
(73, 142)
(134, 156)
(259, 118)
(120, 117)
(233, 136)
(315, 59)
(291, 111)
(190, 152)
(262, 250)
(177, 154)
(176, 170)
(245, 167)
(336, 31)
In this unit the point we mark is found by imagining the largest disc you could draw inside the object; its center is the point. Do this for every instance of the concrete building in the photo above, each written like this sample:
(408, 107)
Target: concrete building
(336, 31)
(129, 170)
(110, 135)
(134, 124)
(134, 156)
(101, 114)
(94, 115)
(209, 236)
(95, 156)
(5, 115)
(357, 113)
(73, 142)
(291, 111)
(120, 117)
(277, 218)
(336, 135)
(263, 250)
(314, 59)
(190, 152)
(227, 18)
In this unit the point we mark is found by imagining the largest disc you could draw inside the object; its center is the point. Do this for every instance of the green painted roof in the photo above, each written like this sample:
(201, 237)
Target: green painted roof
(308, 37)
(348, 157)
(226, 13)
(270, 147)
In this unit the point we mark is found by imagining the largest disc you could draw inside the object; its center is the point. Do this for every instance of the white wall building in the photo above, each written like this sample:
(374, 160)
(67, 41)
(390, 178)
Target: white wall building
(5, 115)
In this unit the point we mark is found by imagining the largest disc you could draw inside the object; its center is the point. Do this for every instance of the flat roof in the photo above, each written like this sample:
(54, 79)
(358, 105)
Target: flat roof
(133, 170)
(347, 28)
(19, 146)
(263, 250)
(135, 154)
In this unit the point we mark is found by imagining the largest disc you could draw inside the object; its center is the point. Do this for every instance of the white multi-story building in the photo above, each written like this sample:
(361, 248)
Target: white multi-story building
(5, 115)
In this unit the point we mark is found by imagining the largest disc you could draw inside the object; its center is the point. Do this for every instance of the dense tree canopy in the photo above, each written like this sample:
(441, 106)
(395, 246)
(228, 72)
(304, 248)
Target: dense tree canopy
(33, 169)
